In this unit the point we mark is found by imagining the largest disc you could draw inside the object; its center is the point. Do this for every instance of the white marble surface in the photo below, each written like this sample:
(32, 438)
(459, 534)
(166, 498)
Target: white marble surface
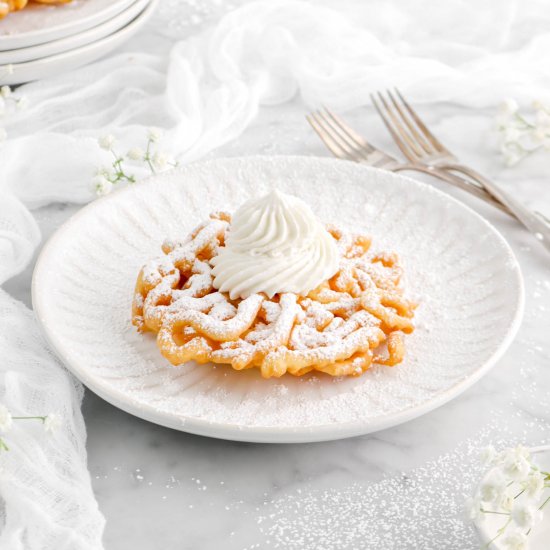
(168, 490)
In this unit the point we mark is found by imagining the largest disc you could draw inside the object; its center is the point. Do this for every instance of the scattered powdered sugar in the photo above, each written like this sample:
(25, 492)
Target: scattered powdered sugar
(421, 509)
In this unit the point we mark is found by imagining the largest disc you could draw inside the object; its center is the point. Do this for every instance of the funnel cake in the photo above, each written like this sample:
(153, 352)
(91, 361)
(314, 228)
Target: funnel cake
(349, 321)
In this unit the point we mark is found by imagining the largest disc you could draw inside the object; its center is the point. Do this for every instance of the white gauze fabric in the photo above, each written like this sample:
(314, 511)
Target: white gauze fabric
(46, 498)
(204, 91)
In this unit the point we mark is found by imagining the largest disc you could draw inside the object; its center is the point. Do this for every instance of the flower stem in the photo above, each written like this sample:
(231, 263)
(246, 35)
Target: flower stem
(544, 503)
(147, 156)
(499, 533)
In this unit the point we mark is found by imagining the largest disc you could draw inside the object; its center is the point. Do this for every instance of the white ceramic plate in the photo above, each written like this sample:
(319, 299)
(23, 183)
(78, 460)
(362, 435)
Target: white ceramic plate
(457, 265)
(66, 61)
(37, 24)
(74, 41)
(489, 525)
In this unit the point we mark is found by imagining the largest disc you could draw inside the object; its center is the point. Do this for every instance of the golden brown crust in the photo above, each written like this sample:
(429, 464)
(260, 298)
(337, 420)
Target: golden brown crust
(357, 318)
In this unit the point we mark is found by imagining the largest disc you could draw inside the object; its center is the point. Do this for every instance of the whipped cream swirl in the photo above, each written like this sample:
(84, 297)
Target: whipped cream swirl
(275, 244)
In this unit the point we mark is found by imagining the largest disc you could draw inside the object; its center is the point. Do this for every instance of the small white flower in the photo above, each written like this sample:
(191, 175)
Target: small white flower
(135, 154)
(506, 502)
(473, 507)
(160, 160)
(106, 142)
(509, 107)
(154, 134)
(513, 153)
(539, 105)
(525, 514)
(5, 419)
(3, 134)
(102, 186)
(493, 486)
(22, 103)
(534, 486)
(52, 422)
(103, 171)
(488, 454)
(511, 134)
(5, 91)
(543, 119)
(516, 466)
(515, 541)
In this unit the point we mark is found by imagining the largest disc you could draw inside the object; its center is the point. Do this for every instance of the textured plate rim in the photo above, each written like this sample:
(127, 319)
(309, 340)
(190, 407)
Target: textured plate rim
(274, 434)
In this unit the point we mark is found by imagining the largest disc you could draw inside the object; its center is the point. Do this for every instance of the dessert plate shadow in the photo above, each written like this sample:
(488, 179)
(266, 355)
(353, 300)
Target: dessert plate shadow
(458, 267)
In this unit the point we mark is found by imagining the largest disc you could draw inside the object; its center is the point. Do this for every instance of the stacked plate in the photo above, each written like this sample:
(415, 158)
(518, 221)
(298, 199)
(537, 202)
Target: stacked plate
(43, 40)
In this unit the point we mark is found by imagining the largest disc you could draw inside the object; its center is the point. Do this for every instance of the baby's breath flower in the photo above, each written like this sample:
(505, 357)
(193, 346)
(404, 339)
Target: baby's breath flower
(22, 103)
(118, 172)
(52, 422)
(525, 515)
(539, 105)
(488, 454)
(493, 487)
(515, 541)
(154, 134)
(3, 134)
(104, 171)
(509, 106)
(136, 153)
(106, 142)
(506, 502)
(512, 134)
(520, 136)
(160, 160)
(102, 186)
(542, 119)
(517, 468)
(513, 488)
(6, 419)
(513, 153)
(534, 485)
(5, 91)
(473, 507)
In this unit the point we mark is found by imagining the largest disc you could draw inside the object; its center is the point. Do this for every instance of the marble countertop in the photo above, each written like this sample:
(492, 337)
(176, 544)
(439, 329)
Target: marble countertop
(399, 488)
(168, 490)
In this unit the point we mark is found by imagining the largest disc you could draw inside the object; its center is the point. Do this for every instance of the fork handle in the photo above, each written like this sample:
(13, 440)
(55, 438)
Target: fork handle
(455, 180)
(534, 223)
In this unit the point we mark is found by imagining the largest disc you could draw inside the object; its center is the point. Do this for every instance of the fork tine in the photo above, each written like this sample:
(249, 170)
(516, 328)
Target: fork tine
(347, 131)
(327, 137)
(431, 138)
(405, 146)
(357, 149)
(405, 135)
(410, 125)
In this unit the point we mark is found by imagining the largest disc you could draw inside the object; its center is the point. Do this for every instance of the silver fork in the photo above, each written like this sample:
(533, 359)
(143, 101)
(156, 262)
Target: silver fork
(346, 143)
(420, 146)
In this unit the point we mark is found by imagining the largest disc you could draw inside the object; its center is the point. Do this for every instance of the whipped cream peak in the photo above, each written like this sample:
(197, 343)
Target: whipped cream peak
(275, 244)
